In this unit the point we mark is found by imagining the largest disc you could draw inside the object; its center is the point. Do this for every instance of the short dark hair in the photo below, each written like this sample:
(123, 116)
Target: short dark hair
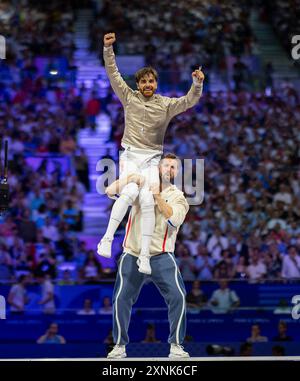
(170, 155)
(145, 71)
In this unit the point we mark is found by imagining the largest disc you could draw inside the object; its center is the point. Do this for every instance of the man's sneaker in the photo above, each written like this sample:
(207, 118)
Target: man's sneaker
(176, 351)
(143, 263)
(119, 352)
(104, 247)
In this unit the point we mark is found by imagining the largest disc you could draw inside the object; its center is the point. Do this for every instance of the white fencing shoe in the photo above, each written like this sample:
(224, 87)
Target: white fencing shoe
(104, 247)
(143, 263)
(118, 352)
(176, 351)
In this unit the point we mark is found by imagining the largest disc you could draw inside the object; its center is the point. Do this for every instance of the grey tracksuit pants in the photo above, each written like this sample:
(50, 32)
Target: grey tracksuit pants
(167, 278)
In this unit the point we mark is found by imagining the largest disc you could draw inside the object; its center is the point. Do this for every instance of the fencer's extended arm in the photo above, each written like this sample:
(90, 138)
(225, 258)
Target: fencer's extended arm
(120, 87)
(181, 104)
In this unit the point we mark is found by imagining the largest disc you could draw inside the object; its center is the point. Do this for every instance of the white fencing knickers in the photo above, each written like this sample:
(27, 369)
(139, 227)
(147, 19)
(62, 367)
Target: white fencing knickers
(145, 163)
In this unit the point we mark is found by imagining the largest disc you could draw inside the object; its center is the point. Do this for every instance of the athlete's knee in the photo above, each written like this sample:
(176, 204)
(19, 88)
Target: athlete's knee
(146, 199)
(130, 192)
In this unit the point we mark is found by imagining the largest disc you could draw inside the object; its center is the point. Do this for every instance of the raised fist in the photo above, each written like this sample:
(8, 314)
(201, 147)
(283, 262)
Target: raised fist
(198, 75)
(109, 39)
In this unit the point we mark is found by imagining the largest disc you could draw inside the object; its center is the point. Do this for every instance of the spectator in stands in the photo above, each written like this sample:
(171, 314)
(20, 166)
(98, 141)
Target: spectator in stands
(67, 279)
(256, 270)
(256, 336)
(39, 216)
(216, 243)
(5, 263)
(291, 264)
(240, 74)
(70, 215)
(87, 308)
(46, 264)
(224, 300)
(193, 242)
(195, 299)
(27, 229)
(67, 145)
(240, 270)
(268, 73)
(283, 307)
(92, 269)
(82, 168)
(93, 108)
(223, 270)
(109, 340)
(282, 332)
(186, 263)
(246, 349)
(188, 339)
(150, 335)
(17, 297)
(47, 301)
(49, 230)
(284, 195)
(276, 220)
(106, 308)
(273, 263)
(204, 264)
(278, 350)
(51, 336)
(80, 255)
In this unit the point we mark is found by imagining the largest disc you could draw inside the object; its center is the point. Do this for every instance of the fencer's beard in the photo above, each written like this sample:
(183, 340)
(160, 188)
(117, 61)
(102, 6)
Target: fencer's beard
(148, 93)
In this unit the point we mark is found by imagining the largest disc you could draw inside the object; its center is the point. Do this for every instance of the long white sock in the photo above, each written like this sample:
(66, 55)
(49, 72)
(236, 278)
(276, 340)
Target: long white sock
(118, 212)
(120, 207)
(147, 228)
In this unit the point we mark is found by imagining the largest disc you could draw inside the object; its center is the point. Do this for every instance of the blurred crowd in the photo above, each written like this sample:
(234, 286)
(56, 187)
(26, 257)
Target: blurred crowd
(48, 170)
(248, 225)
(160, 34)
(31, 27)
(285, 18)
(250, 215)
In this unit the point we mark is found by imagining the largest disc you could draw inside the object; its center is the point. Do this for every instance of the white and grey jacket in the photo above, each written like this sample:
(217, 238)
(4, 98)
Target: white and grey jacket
(146, 120)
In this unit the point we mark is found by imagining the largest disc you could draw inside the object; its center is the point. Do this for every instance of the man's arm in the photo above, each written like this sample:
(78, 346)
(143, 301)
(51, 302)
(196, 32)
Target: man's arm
(116, 187)
(42, 339)
(10, 299)
(120, 87)
(48, 298)
(174, 212)
(213, 300)
(163, 207)
(179, 105)
(62, 339)
(284, 270)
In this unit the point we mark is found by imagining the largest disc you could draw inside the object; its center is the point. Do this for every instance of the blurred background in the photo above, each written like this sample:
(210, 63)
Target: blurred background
(239, 251)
